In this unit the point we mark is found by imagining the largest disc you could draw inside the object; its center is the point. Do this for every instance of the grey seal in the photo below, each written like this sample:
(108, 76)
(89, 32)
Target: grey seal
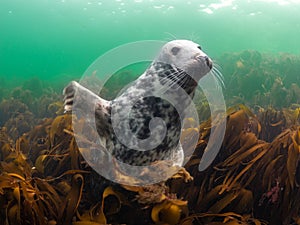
(178, 67)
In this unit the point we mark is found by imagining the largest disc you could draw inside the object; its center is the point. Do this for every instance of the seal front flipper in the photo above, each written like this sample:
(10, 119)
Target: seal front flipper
(84, 103)
(78, 97)
(68, 93)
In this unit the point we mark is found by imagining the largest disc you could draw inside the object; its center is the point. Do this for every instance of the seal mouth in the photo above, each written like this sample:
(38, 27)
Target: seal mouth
(204, 59)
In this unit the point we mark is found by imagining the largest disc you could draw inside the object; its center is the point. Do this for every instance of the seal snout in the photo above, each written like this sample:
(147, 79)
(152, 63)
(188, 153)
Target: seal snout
(208, 62)
(206, 59)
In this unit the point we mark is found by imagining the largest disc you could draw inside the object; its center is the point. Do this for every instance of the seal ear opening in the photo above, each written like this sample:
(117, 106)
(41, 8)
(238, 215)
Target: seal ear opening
(175, 50)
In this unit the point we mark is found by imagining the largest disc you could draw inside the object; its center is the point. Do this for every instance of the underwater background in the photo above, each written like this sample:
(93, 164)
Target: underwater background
(255, 179)
(57, 40)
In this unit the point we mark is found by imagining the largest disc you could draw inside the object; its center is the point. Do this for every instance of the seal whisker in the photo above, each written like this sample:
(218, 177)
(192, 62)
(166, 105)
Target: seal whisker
(216, 65)
(172, 76)
(184, 80)
(219, 77)
(168, 80)
(172, 35)
(172, 80)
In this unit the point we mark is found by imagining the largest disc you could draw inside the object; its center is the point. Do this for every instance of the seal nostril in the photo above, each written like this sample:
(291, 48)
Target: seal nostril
(208, 61)
(205, 59)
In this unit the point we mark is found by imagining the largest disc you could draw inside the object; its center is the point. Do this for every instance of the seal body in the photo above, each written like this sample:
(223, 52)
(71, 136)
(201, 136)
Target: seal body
(143, 124)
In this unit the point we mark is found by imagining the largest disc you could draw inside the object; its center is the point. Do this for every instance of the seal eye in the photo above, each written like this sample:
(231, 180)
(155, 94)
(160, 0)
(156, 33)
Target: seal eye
(199, 47)
(175, 50)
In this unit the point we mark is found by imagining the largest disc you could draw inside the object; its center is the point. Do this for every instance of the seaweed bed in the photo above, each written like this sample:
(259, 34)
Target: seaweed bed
(255, 178)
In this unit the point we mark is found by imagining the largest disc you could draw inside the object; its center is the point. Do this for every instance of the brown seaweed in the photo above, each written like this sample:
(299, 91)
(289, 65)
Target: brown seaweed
(248, 174)
(255, 178)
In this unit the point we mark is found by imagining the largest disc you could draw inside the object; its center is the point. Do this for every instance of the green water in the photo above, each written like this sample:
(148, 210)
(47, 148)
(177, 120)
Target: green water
(44, 44)
(57, 40)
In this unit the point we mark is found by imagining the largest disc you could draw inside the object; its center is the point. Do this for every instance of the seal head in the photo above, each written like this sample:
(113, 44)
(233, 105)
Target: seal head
(187, 56)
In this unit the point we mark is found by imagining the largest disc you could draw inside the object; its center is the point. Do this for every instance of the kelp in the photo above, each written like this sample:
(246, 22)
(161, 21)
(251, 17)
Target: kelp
(9, 108)
(229, 218)
(273, 121)
(250, 176)
(259, 79)
(22, 110)
(45, 180)
(255, 178)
